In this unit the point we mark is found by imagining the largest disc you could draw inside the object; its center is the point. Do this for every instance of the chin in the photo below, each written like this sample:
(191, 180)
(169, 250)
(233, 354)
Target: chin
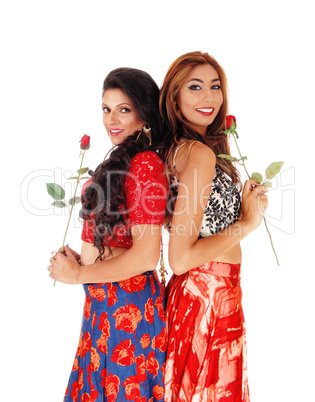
(116, 140)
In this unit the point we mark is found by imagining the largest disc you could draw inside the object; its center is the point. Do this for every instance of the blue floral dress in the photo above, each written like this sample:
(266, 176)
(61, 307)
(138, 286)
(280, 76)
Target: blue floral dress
(121, 352)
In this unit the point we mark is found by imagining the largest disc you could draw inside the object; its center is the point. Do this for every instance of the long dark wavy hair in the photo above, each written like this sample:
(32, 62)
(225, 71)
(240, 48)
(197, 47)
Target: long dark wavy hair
(179, 128)
(105, 196)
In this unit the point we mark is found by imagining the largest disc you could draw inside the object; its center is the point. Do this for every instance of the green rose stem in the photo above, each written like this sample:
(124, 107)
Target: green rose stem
(72, 205)
(248, 175)
(58, 193)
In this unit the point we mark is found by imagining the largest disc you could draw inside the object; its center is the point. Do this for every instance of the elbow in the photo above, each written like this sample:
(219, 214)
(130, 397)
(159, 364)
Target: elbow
(178, 263)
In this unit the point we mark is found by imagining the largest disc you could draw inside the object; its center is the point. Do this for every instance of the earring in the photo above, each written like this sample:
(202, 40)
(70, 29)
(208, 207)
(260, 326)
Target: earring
(147, 131)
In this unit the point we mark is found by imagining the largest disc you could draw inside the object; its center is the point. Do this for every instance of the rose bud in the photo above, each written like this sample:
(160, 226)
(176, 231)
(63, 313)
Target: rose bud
(230, 122)
(85, 142)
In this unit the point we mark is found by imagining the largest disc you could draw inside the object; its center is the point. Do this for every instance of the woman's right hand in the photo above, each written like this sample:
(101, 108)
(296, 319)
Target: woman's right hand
(254, 203)
(75, 254)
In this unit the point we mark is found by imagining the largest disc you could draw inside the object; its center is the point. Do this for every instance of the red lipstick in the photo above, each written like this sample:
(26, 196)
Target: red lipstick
(205, 111)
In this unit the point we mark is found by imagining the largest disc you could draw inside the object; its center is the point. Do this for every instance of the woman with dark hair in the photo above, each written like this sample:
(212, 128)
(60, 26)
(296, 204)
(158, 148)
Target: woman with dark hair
(206, 354)
(121, 352)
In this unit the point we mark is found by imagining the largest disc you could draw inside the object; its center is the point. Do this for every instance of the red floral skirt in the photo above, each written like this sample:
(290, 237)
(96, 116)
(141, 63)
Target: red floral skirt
(121, 353)
(206, 354)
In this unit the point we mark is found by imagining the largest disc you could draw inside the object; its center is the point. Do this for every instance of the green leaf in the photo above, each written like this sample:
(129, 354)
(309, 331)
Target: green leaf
(273, 169)
(83, 170)
(74, 177)
(55, 191)
(59, 204)
(267, 184)
(257, 177)
(74, 200)
(243, 158)
(228, 157)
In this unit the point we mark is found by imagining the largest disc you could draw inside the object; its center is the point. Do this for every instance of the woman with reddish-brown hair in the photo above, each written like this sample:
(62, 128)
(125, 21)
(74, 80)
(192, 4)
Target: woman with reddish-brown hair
(206, 356)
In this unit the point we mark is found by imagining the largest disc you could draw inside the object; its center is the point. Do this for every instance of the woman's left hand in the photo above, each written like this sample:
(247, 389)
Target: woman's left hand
(65, 267)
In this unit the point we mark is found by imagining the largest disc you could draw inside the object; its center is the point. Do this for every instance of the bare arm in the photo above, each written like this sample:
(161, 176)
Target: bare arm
(141, 257)
(185, 250)
(89, 253)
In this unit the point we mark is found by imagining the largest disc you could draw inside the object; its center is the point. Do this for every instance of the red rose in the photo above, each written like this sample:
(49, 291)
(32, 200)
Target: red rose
(85, 142)
(229, 122)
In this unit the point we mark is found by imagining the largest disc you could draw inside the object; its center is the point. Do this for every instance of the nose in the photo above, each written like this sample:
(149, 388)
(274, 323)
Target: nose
(113, 117)
(207, 95)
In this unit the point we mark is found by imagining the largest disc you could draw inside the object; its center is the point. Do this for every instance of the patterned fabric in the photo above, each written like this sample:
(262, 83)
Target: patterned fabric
(121, 352)
(206, 354)
(223, 207)
(146, 191)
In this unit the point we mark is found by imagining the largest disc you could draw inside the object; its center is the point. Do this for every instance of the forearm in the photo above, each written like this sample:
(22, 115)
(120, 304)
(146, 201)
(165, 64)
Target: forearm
(183, 256)
(90, 253)
(126, 265)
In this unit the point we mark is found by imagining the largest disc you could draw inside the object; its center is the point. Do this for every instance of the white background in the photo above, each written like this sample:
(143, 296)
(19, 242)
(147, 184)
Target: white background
(55, 56)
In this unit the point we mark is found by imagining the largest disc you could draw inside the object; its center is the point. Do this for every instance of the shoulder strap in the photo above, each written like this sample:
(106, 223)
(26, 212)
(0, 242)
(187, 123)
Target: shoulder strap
(175, 153)
(177, 149)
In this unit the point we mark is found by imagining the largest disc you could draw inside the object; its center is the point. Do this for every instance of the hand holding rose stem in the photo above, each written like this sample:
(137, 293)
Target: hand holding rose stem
(58, 193)
(272, 170)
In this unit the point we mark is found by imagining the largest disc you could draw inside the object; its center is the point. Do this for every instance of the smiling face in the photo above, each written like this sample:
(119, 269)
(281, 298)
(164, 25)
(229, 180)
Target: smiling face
(119, 116)
(200, 97)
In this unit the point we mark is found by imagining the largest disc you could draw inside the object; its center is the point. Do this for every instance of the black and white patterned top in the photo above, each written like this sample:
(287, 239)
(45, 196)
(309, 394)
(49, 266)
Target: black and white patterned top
(223, 207)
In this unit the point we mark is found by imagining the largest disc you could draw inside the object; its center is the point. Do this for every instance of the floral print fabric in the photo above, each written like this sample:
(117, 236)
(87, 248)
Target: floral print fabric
(206, 354)
(223, 206)
(121, 352)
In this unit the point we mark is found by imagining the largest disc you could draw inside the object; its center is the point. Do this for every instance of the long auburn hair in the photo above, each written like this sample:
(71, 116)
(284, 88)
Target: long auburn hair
(179, 128)
(105, 196)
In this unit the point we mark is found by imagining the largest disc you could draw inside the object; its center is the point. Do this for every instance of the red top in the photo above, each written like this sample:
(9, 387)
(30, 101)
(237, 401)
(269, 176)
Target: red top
(146, 194)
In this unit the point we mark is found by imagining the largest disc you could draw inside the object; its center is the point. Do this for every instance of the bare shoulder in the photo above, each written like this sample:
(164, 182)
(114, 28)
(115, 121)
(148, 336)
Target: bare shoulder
(200, 151)
(195, 154)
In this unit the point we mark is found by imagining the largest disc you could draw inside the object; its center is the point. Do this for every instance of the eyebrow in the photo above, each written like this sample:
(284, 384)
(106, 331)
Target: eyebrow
(197, 79)
(120, 104)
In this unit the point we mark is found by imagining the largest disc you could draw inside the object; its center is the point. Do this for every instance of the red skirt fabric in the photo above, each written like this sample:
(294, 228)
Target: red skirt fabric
(206, 355)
